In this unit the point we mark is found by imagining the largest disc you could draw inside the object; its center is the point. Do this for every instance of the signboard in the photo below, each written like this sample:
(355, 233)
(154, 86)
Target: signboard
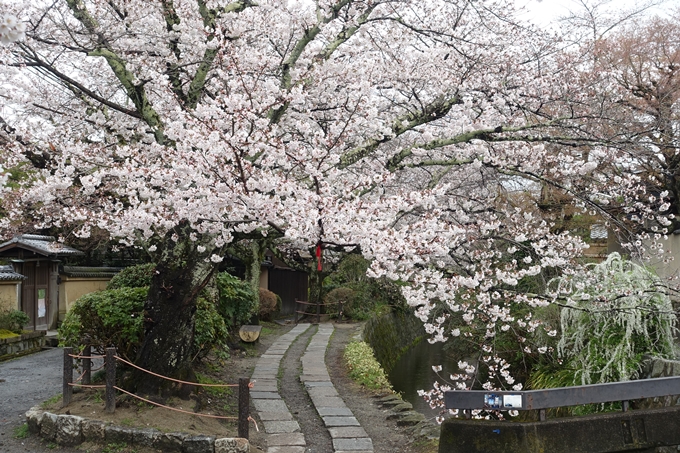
(42, 308)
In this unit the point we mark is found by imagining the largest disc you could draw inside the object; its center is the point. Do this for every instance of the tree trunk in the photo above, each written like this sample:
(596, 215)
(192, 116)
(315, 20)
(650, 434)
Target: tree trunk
(253, 271)
(180, 275)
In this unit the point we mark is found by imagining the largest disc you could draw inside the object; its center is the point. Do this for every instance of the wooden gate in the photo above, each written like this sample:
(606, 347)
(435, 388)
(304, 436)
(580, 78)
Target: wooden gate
(289, 285)
(35, 293)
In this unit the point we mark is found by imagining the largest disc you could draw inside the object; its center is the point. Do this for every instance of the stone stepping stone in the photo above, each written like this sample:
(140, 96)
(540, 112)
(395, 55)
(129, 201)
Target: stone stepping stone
(278, 427)
(355, 444)
(347, 431)
(287, 449)
(293, 439)
(332, 421)
(265, 395)
(334, 411)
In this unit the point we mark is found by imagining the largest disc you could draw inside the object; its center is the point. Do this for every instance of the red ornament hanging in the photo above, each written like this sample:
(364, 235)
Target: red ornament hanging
(318, 257)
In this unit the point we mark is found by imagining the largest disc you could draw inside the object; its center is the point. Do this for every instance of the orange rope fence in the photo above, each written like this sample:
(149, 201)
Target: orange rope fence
(173, 408)
(171, 379)
(110, 359)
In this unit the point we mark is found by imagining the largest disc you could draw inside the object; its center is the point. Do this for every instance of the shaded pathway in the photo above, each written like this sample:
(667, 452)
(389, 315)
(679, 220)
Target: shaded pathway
(343, 432)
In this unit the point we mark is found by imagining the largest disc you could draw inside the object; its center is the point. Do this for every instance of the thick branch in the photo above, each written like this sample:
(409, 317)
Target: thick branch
(434, 111)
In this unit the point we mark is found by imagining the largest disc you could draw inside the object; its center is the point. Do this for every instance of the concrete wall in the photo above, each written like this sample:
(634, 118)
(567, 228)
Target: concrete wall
(9, 295)
(646, 431)
(71, 288)
(391, 335)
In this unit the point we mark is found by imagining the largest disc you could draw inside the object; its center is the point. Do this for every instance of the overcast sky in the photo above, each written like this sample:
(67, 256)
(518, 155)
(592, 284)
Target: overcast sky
(545, 11)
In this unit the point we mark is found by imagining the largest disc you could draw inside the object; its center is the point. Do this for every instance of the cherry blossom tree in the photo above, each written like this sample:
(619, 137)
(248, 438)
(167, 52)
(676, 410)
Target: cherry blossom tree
(401, 128)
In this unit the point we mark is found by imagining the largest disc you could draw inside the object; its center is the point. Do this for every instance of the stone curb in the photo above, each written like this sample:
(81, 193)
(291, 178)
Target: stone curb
(70, 430)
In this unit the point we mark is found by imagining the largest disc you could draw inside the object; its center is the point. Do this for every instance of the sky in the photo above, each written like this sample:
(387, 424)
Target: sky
(544, 11)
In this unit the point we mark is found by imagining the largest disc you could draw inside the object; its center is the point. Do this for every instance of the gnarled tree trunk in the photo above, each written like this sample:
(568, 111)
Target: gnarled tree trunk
(180, 275)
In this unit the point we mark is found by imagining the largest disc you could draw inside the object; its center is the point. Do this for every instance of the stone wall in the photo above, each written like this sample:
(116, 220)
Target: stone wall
(391, 335)
(70, 430)
(25, 343)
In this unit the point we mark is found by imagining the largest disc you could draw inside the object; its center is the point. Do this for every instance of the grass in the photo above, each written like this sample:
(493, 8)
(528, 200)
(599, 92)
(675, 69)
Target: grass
(48, 403)
(21, 432)
(215, 392)
(364, 368)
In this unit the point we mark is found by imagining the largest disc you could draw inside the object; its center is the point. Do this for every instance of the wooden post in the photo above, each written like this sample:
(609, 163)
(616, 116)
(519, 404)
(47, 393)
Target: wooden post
(243, 407)
(110, 380)
(318, 312)
(295, 309)
(67, 390)
(87, 363)
(541, 415)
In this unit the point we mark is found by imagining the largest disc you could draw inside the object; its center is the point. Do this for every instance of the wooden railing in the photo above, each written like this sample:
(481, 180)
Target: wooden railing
(304, 304)
(541, 400)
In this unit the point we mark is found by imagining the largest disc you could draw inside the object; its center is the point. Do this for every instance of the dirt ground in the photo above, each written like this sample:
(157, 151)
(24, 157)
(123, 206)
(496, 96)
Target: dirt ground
(386, 435)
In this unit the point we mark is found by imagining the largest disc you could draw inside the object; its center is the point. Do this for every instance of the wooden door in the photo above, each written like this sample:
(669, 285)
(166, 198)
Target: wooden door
(35, 294)
(28, 302)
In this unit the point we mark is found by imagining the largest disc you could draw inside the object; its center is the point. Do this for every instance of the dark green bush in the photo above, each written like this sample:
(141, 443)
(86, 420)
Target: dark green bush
(13, 320)
(210, 329)
(111, 318)
(237, 302)
(133, 277)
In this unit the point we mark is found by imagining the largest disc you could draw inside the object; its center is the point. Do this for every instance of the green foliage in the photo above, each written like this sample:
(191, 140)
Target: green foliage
(13, 320)
(209, 328)
(21, 431)
(133, 277)
(362, 297)
(236, 303)
(615, 314)
(111, 318)
(363, 300)
(364, 368)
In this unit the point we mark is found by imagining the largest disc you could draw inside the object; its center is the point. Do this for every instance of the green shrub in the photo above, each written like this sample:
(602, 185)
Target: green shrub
(364, 368)
(209, 328)
(237, 302)
(13, 320)
(111, 318)
(133, 277)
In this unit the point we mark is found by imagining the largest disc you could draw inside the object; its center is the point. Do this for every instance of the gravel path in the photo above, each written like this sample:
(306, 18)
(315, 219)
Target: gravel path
(24, 383)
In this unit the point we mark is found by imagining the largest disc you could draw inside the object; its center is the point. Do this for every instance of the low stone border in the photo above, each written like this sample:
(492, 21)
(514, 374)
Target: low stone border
(26, 343)
(70, 430)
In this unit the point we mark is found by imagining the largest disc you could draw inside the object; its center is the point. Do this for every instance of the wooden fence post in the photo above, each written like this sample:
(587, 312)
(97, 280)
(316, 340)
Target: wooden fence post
(296, 311)
(87, 363)
(67, 389)
(110, 380)
(243, 407)
(318, 312)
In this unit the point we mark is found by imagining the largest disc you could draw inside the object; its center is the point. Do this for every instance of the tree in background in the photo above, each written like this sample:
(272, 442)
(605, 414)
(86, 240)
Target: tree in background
(395, 128)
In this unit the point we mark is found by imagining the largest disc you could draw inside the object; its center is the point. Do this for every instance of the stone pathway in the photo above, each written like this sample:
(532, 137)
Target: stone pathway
(283, 432)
